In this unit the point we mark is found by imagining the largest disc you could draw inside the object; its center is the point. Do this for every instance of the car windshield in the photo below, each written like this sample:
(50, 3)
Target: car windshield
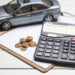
(48, 2)
(11, 7)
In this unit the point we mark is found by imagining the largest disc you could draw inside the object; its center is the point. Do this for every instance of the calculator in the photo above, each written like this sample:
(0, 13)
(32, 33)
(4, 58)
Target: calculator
(54, 49)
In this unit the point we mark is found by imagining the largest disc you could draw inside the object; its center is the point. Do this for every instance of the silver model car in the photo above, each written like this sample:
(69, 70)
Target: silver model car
(21, 12)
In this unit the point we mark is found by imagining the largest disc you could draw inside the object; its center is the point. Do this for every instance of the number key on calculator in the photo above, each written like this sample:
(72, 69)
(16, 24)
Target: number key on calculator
(56, 50)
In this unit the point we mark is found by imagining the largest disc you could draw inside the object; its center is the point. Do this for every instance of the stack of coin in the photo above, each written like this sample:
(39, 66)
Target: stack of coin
(25, 43)
(29, 39)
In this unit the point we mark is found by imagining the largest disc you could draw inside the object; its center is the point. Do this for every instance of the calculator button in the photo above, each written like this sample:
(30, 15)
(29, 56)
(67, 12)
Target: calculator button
(66, 41)
(57, 44)
(49, 47)
(39, 53)
(65, 44)
(50, 43)
(42, 42)
(64, 56)
(65, 48)
(42, 46)
(47, 54)
(58, 40)
(72, 57)
(43, 38)
(73, 42)
(72, 52)
(55, 51)
(56, 48)
(73, 45)
(54, 55)
(72, 48)
(48, 51)
(73, 39)
(51, 40)
(40, 49)
(65, 51)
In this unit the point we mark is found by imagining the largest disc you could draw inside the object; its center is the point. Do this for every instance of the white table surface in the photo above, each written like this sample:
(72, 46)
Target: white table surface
(11, 65)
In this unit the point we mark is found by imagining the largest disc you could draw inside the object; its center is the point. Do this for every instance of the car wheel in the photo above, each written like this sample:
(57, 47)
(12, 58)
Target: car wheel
(6, 25)
(48, 18)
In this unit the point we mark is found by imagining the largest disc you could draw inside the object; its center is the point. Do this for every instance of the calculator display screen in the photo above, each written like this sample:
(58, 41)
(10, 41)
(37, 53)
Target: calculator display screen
(59, 28)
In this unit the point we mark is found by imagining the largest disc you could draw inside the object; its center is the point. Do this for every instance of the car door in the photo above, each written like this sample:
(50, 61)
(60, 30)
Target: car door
(22, 16)
(38, 12)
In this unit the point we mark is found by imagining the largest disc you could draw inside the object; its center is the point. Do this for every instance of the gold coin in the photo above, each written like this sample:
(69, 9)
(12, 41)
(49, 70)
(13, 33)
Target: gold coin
(18, 45)
(22, 40)
(23, 49)
(25, 45)
(32, 44)
(29, 38)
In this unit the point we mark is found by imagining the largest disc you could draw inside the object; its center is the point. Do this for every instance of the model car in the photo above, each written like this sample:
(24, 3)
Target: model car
(22, 12)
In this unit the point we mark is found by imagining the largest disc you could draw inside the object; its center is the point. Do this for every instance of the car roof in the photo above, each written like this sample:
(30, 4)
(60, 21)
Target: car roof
(35, 1)
(30, 1)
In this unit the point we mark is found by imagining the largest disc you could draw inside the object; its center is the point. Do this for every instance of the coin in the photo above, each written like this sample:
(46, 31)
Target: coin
(23, 49)
(18, 45)
(22, 40)
(29, 38)
(32, 44)
(25, 45)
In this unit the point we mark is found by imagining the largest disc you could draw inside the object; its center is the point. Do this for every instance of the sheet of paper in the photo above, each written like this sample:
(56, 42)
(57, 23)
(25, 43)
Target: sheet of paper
(11, 38)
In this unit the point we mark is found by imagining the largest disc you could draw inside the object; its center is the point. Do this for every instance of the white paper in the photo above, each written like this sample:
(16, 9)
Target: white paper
(11, 38)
